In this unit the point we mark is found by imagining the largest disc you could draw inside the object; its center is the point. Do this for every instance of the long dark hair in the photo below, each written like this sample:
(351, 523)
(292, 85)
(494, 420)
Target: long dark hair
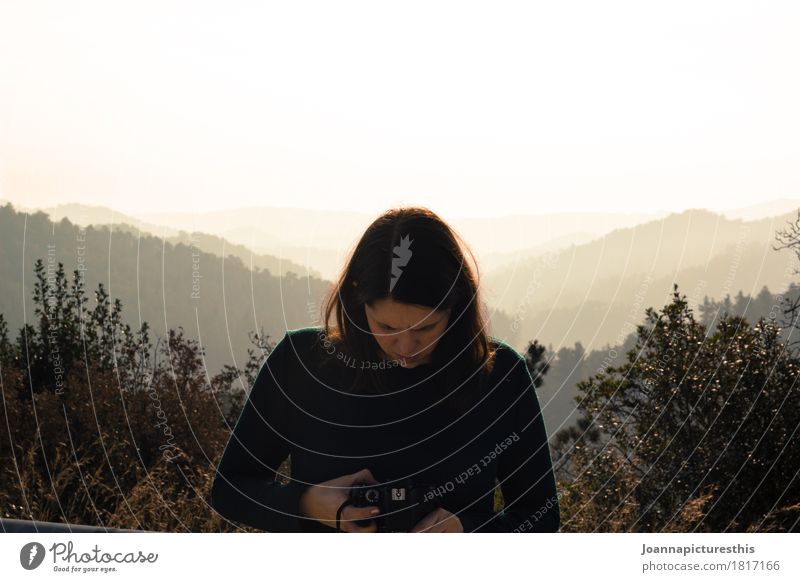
(412, 256)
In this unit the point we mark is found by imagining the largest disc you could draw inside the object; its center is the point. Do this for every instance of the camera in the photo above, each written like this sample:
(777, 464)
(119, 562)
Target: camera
(402, 504)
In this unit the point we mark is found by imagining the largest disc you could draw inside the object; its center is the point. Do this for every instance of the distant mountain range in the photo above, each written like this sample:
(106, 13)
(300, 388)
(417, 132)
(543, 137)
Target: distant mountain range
(562, 278)
(97, 216)
(590, 292)
(317, 241)
(215, 300)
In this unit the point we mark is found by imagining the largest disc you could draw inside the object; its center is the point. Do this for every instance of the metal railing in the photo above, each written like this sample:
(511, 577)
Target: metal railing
(29, 526)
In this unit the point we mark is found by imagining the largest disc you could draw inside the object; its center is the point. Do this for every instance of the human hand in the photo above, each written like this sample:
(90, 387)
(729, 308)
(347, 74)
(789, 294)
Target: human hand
(321, 502)
(439, 521)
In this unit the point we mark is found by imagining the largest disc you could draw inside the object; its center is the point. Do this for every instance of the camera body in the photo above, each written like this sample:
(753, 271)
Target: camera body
(402, 504)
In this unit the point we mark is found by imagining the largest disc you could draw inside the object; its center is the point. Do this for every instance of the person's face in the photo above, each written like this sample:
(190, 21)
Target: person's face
(408, 333)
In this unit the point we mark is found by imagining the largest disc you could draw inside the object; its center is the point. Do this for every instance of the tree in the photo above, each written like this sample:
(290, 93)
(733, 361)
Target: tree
(697, 432)
(536, 362)
(789, 239)
(105, 427)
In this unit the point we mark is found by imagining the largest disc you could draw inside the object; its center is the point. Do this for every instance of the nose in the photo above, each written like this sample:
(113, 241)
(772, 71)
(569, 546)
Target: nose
(405, 344)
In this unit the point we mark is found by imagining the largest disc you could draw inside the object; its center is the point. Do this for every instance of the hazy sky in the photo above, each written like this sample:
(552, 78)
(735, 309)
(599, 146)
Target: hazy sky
(472, 108)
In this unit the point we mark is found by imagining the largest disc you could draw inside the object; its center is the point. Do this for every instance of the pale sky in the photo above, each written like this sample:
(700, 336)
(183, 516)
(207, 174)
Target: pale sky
(471, 108)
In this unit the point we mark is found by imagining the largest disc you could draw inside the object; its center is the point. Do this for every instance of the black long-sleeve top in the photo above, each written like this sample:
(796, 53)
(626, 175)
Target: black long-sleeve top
(297, 408)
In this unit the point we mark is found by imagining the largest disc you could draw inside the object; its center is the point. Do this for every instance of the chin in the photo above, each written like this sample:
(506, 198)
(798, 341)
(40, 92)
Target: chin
(413, 364)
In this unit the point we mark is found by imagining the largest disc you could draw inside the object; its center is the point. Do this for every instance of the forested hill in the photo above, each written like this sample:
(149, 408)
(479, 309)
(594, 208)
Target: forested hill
(216, 300)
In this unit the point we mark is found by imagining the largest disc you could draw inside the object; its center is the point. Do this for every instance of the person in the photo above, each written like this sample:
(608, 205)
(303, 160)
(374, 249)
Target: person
(399, 381)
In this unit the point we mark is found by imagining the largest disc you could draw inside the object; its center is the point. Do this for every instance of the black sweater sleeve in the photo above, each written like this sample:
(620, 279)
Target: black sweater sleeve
(245, 487)
(525, 469)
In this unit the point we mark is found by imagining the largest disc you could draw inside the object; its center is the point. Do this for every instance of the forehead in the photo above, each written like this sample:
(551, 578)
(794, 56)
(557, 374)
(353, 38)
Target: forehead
(402, 315)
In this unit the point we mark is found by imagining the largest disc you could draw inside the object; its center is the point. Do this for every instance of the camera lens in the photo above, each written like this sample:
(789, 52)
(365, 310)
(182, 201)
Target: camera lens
(372, 495)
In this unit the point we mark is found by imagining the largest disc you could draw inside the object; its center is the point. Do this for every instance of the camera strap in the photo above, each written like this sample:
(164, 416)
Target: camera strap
(344, 504)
